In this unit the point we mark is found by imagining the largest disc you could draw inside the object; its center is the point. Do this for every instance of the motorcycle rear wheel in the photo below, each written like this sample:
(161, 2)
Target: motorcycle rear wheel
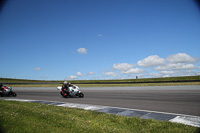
(64, 95)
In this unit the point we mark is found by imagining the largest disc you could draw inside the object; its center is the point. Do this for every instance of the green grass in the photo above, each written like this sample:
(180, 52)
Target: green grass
(138, 84)
(94, 81)
(142, 80)
(110, 85)
(10, 80)
(20, 117)
(97, 83)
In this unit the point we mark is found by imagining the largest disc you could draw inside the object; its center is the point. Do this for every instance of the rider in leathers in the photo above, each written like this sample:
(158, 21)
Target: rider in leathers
(66, 85)
(2, 88)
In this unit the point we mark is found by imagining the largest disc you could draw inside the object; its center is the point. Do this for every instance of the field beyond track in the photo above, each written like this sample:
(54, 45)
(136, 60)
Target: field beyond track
(170, 81)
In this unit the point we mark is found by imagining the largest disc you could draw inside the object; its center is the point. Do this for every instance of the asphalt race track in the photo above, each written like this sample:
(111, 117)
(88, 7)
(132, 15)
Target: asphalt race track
(171, 99)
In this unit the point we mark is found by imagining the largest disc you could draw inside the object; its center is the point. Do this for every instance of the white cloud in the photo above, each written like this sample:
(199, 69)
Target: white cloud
(109, 73)
(187, 73)
(166, 76)
(160, 68)
(37, 69)
(181, 58)
(133, 71)
(176, 66)
(71, 77)
(185, 67)
(82, 51)
(91, 73)
(99, 35)
(43, 77)
(150, 61)
(79, 74)
(122, 66)
(167, 72)
(155, 75)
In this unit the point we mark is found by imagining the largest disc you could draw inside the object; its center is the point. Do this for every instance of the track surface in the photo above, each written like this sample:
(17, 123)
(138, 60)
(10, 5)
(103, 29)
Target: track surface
(180, 100)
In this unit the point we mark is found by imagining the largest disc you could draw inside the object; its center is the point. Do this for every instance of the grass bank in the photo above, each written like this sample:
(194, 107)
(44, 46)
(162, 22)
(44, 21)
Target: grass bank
(170, 81)
(21, 117)
(110, 85)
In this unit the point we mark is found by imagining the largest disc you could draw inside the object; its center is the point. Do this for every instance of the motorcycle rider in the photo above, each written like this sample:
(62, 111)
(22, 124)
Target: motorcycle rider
(69, 90)
(66, 85)
(1, 85)
(2, 88)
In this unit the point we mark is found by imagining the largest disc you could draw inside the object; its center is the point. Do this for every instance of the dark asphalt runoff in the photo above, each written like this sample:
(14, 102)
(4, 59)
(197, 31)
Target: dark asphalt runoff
(171, 99)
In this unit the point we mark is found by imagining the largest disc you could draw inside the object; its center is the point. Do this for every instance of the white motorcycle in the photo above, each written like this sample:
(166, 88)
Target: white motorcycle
(73, 91)
(7, 91)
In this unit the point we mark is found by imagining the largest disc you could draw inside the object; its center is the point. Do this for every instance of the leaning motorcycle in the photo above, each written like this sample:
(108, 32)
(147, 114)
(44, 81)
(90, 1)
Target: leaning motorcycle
(72, 91)
(7, 91)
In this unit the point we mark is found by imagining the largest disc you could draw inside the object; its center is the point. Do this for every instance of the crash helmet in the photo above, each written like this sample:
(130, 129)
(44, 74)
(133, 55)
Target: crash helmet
(65, 82)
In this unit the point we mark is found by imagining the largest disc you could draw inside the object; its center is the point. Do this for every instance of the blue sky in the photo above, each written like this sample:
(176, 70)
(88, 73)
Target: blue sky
(99, 39)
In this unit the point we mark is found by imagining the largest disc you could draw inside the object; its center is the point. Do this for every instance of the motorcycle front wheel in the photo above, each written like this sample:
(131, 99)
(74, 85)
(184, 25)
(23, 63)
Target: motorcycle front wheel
(81, 95)
(14, 94)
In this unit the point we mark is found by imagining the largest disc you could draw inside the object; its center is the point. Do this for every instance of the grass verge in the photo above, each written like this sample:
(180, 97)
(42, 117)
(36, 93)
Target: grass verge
(34, 117)
(106, 83)
(110, 85)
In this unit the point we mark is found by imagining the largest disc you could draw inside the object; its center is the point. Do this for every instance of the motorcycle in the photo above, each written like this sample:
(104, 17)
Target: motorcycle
(7, 91)
(72, 91)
